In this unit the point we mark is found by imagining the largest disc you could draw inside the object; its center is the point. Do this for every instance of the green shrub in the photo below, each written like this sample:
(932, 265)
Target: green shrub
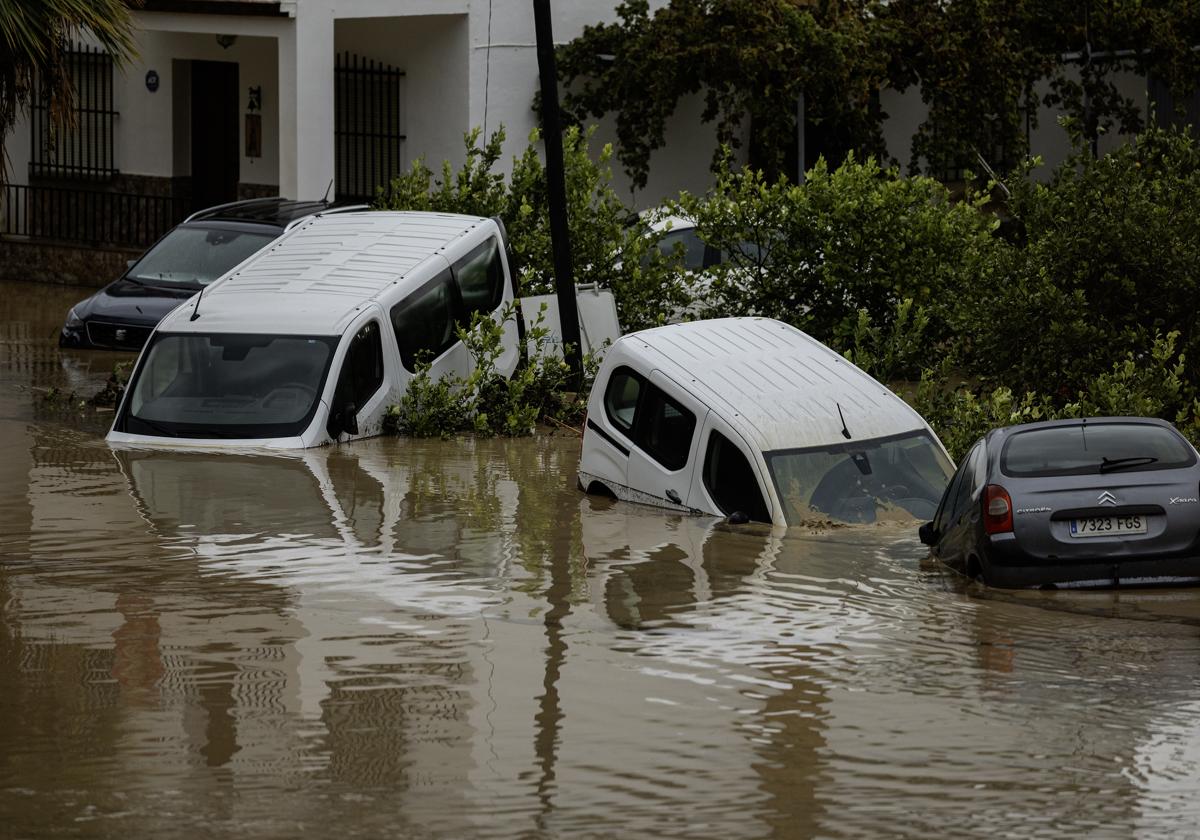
(849, 240)
(1152, 386)
(887, 353)
(1108, 258)
(485, 402)
(610, 245)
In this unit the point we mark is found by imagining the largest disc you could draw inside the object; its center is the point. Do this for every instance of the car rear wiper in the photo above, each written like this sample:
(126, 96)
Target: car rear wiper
(1121, 463)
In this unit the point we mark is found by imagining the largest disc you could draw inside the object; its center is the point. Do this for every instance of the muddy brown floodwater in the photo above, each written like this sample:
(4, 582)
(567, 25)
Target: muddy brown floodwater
(445, 639)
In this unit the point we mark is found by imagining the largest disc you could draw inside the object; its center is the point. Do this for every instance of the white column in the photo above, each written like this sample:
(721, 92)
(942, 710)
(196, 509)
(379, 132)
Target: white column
(306, 86)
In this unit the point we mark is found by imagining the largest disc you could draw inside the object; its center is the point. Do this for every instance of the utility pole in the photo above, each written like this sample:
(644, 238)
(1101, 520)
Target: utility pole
(556, 187)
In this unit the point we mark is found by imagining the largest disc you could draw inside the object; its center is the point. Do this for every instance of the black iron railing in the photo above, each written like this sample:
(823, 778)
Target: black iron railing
(368, 125)
(84, 146)
(92, 217)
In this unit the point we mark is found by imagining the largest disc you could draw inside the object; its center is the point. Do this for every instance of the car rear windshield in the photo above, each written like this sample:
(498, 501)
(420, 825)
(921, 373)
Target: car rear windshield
(899, 477)
(1094, 449)
(195, 255)
(228, 386)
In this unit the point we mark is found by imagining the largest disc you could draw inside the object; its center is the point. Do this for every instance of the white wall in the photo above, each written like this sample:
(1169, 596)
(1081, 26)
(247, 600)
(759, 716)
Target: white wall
(469, 63)
(146, 142)
(432, 50)
(1048, 139)
(508, 97)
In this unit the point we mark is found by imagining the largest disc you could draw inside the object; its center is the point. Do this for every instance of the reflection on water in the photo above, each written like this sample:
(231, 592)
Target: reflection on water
(446, 639)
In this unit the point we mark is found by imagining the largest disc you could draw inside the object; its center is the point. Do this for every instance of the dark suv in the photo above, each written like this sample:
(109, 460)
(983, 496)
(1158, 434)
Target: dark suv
(193, 254)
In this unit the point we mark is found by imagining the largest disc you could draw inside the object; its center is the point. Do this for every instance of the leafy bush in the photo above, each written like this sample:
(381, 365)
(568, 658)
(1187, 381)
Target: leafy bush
(1154, 386)
(1110, 259)
(856, 239)
(485, 402)
(887, 353)
(610, 245)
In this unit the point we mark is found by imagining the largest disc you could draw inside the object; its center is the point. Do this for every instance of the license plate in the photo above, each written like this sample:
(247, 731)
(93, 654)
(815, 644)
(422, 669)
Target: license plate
(1108, 526)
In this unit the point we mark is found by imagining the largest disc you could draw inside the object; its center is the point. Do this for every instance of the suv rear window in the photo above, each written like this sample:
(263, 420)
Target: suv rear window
(1093, 449)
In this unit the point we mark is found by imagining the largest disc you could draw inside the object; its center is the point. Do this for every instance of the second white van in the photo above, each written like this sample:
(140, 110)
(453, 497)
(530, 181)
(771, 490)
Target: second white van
(752, 419)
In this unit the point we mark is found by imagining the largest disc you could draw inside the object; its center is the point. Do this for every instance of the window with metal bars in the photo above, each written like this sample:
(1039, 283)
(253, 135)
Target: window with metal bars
(368, 121)
(83, 147)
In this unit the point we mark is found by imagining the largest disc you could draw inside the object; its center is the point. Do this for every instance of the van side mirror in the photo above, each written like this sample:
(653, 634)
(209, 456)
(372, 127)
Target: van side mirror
(928, 534)
(343, 419)
(349, 418)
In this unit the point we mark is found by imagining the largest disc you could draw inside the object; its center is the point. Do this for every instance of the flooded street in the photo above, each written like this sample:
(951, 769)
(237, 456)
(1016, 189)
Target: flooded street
(446, 639)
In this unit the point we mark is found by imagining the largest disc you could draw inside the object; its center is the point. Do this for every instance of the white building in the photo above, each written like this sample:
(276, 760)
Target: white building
(233, 99)
(236, 98)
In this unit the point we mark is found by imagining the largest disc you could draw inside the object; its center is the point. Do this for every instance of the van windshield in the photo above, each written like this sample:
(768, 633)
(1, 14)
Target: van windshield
(228, 386)
(898, 477)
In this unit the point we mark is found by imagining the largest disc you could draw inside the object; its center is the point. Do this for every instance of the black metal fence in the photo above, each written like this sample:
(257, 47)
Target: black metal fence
(84, 146)
(92, 217)
(368, 125)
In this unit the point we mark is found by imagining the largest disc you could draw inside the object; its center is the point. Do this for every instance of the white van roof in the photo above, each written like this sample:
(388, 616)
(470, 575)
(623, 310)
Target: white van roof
(313, 279)
(779, 386)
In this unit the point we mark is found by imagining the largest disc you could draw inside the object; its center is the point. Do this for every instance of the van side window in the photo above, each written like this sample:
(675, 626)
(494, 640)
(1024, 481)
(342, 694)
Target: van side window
(664, 429)
(480, 276)
(660, 426)
(730, 480)
(425, 323)
(362, 369)
(621, 398)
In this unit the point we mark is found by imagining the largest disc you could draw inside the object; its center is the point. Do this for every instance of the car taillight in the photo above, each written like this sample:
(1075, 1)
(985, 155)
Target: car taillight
(997, 510)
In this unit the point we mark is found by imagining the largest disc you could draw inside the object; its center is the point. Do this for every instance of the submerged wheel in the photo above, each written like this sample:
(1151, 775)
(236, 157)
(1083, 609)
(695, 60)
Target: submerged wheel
(975, 569)
(598, 488)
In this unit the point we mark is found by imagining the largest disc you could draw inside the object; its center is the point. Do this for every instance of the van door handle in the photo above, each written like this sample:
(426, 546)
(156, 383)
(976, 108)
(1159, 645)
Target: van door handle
(672, 496)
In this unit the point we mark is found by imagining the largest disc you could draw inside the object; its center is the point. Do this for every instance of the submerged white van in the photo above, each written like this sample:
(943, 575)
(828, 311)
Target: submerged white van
(752, 419)
(310, 340)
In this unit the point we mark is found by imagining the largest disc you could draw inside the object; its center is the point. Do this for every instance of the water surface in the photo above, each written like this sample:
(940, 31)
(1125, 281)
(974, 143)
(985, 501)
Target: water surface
(446, 639)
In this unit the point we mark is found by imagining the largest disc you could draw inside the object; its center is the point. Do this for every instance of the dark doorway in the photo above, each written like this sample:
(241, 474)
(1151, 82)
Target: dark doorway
(215, 158)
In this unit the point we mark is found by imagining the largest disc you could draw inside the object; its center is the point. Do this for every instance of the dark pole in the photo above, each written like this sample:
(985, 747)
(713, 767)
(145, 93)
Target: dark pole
(556, 186)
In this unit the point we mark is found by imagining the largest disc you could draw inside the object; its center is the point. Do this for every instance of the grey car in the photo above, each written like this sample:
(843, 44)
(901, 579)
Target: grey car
(1109, 501)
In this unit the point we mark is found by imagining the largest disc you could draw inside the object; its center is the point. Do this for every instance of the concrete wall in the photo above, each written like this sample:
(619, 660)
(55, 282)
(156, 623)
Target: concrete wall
(469, 63)
(432, 50)
(56, 262)
(502, 94)
(1048, 139)
(153, 131)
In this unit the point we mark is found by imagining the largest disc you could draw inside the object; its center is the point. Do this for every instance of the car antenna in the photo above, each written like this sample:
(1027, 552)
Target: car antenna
(325, 199)
(842, 417)
(196, 308)
(1083, 433)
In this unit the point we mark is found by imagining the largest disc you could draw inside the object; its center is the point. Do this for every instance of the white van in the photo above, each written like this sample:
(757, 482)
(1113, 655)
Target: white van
(311, 339)
(752, 419)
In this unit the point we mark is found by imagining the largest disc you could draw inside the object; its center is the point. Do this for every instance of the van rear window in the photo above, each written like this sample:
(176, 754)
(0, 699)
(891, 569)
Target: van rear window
(1094, 449)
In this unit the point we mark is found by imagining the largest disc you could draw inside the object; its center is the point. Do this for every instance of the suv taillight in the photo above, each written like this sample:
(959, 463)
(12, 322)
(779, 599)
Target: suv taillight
(997, 510)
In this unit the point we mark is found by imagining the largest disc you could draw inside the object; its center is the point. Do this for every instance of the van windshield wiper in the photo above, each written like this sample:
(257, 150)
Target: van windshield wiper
(162, 430)
(1121, 463)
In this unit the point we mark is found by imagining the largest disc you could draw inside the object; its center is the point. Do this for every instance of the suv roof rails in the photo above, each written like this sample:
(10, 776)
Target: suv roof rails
(242, 203)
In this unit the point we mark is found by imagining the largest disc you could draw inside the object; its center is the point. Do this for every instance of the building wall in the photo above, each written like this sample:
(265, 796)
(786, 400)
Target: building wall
(504, 79)
(469, 63)
(1047, 139)
(153, 132)
(432, 50)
